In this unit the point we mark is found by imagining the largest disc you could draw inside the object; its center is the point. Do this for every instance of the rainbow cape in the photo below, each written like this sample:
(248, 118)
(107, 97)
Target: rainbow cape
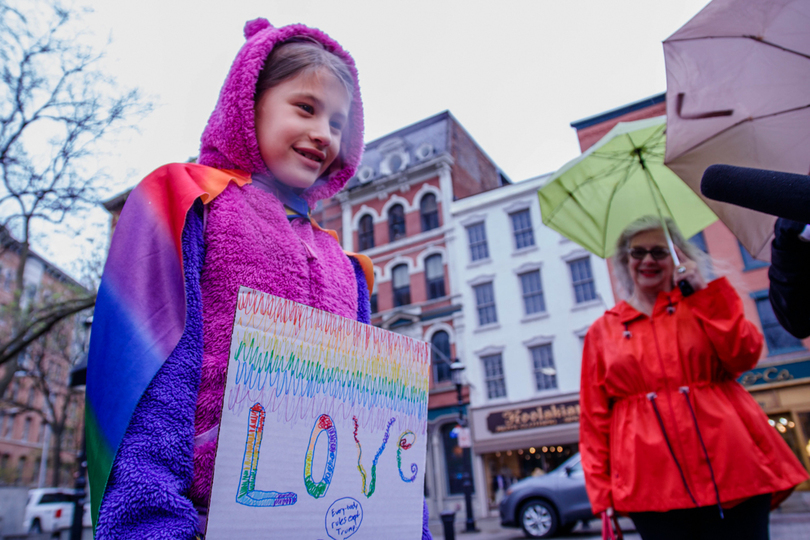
(140, 311)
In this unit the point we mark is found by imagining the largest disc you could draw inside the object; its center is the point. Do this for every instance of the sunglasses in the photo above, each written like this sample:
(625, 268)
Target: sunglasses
(657, 253)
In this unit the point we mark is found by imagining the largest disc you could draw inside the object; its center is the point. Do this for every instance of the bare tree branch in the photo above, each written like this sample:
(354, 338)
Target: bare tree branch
(58, 107)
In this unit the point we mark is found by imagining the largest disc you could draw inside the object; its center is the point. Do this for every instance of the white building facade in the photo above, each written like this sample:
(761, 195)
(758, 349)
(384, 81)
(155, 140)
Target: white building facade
(528, 296)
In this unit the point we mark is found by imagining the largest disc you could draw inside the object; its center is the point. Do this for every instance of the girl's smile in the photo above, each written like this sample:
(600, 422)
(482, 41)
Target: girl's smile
(299, 126)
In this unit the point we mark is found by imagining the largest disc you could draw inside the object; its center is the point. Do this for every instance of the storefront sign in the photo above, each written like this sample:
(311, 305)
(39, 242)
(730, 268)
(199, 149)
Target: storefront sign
(533, 417)
(774, 374)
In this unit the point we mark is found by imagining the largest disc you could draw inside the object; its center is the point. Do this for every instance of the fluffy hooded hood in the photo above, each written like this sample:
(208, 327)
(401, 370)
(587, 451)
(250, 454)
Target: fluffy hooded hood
(229, 139)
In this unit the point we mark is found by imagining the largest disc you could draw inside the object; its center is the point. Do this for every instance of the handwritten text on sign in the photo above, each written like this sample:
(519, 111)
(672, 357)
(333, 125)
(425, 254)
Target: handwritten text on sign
(323, 427)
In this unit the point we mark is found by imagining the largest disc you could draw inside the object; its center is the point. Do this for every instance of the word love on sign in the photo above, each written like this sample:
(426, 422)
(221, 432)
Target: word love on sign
(323, 427)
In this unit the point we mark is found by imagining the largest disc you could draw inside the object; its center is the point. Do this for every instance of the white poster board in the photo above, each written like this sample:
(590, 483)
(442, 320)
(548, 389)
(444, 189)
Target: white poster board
(323, 428)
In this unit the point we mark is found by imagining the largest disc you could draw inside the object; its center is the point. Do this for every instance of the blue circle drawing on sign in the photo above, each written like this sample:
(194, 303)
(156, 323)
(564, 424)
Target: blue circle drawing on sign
(343, 518)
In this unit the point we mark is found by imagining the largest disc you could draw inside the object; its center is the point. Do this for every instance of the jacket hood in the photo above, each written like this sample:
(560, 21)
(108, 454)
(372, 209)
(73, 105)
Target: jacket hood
(229, 139)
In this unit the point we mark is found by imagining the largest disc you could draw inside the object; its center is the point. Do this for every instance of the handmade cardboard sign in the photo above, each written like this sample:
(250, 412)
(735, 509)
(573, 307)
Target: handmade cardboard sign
(323, 428)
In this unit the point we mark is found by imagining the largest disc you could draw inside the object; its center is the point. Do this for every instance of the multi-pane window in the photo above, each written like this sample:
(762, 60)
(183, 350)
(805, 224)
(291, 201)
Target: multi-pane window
(582, 280)
(373, 298)
(778, 339)
(545, 374)
(485, 303)
(9, 427)
(26, 429)
(440, 356)
(478, 242)
(493, 376)
(699, 241)
(396, 223)
(429, 212)
(522, 229)
(749, 262)
(533, 301)
(365, 233)
(434, 276)
(402, 285)
(21, 468)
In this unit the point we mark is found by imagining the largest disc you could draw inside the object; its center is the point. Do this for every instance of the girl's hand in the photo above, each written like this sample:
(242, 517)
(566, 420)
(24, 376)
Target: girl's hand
(688, 270)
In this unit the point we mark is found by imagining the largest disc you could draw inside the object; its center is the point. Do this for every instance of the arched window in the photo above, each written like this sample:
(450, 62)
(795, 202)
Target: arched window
(366, 232)
(396, 223)
(434, 276)
(373, 298)
(402, 285)
(429, 212)
(440, 356)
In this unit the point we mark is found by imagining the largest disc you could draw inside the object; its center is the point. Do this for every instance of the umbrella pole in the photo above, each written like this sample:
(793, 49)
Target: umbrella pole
(685, 287)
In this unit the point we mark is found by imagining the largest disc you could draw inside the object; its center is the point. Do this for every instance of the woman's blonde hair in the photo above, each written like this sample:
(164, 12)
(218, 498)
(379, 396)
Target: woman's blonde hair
(652, 223)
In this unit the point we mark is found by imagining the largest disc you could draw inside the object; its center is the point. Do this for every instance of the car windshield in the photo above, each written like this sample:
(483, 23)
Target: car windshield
(49, 498)
(573, 462)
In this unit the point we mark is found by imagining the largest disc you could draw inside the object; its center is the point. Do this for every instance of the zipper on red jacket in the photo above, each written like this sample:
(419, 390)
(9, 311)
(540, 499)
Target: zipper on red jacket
(671, 411)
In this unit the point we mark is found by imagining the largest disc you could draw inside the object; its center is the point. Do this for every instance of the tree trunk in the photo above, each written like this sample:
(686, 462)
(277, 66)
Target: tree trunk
(6, 378)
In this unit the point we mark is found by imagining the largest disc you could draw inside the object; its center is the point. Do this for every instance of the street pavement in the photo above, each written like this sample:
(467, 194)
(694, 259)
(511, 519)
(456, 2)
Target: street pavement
(789, 522)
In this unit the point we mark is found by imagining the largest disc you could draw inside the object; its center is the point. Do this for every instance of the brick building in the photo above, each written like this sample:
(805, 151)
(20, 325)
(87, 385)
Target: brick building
(396, 210)
(24, 432)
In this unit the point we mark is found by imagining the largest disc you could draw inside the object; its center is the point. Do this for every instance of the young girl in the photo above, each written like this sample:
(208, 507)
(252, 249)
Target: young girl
(286, 132)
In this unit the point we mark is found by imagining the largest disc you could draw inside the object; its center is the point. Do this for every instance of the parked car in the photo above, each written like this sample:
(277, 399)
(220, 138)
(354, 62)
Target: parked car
(547, 505)
(51, 510)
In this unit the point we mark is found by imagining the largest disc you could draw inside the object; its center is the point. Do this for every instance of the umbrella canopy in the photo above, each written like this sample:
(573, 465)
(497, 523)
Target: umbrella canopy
(621, 178)
(738, 80)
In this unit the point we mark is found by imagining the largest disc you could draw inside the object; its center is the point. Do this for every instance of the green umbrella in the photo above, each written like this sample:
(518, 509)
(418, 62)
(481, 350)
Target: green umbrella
(621, 178)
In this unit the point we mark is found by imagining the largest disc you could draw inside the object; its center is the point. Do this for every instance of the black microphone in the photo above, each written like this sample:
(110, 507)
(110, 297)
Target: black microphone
(776, 193)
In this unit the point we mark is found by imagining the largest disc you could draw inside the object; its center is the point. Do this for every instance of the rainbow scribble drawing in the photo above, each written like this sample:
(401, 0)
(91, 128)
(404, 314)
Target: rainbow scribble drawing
(247, 494)
(300, 381)
(372, 485)
(324, 424)
(348, 368)
(405, 444)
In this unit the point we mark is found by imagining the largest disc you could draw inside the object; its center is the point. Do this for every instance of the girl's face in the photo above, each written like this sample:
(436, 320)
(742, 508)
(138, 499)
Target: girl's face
(299, 126)
(648, 274)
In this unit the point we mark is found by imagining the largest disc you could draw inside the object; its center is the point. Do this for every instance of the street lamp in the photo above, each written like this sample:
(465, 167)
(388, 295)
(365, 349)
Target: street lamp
(78, 378)
(456, 372)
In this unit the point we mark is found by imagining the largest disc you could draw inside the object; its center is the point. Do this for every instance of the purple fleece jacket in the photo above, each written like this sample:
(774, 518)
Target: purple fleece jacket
(247, 240)
(147, 490)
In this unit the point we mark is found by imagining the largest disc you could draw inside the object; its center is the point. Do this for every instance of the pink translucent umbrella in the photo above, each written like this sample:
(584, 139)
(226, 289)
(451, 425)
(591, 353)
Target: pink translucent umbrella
(738, 93)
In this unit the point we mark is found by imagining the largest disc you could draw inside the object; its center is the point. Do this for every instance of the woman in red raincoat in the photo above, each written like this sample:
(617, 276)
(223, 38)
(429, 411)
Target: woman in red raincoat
(667, 434)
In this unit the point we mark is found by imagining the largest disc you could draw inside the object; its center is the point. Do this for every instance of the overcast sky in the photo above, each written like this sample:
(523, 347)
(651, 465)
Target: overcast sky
(514, 73)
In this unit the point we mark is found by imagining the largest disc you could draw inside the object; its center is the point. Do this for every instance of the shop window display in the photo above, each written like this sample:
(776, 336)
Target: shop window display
(507, 467)
(790, 431)
(804, 421)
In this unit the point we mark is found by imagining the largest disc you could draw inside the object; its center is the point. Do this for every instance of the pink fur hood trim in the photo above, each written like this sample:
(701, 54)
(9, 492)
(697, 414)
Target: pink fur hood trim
(229, 139)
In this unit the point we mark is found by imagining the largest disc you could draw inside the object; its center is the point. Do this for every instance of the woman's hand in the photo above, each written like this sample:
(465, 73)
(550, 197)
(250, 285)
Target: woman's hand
(688, 270)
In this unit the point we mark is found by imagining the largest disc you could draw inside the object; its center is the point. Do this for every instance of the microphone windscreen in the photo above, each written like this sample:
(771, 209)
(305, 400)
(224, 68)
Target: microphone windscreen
(776, 193)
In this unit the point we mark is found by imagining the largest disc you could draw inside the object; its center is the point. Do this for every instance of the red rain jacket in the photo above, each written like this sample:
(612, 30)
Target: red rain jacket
(689, 352)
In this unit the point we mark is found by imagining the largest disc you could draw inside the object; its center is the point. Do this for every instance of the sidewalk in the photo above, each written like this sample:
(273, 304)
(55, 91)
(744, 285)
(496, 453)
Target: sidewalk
(490, 529)
(791, 521)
